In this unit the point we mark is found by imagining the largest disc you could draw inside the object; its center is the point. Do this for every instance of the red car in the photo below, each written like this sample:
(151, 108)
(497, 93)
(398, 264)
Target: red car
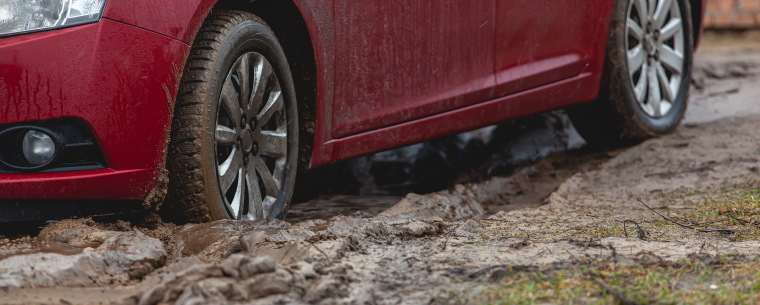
(98, 97)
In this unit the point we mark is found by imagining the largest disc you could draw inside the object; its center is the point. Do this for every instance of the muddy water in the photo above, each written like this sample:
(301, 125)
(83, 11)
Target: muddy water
(334, 205)
(414, 249)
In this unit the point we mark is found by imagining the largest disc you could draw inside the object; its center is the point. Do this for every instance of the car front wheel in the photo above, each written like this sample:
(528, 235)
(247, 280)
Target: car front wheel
(233, 150)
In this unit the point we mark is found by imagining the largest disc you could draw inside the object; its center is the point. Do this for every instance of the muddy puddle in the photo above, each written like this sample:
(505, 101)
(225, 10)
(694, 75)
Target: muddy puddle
(392, 234)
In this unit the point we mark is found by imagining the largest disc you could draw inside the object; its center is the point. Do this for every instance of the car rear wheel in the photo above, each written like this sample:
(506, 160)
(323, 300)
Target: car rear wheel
(645, 84)
(234, 140)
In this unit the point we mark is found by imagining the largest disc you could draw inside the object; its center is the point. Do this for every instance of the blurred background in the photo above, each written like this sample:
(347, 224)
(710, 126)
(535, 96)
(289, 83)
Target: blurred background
(732, 15)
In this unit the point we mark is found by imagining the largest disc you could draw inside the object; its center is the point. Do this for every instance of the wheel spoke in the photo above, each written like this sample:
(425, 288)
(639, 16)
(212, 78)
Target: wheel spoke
(651, 6)
(272, 143)
(654, 93)
(642, 11)
(670, 58)
(231, 101)
(273, 105)
(663, 6)
(236, 205)
(636, 58)
(244, 75)
(225, 135)
(665, 84)
(228, 170)
(670, 29)
(254, 193)
(634, 29)
(271, 186)
(262, 72)
(640, 89)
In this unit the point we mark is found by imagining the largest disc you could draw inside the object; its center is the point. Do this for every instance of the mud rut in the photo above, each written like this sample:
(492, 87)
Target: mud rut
(421, 249)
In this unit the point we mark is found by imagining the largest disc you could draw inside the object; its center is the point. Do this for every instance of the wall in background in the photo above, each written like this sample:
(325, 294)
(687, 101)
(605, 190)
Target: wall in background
(732, 14)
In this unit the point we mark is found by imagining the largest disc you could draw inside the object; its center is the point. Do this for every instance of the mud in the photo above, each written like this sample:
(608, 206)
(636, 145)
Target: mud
(437, 248)
(76, 254)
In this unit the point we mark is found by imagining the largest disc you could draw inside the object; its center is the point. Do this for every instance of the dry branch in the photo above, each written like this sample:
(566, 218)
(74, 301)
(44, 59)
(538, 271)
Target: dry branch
(682, 224)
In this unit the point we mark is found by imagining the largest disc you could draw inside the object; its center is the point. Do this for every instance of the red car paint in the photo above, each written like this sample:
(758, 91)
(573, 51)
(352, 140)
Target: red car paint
(388, 73)
(120, 79)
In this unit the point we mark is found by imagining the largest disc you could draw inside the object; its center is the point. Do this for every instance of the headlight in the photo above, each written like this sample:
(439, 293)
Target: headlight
(22, 16)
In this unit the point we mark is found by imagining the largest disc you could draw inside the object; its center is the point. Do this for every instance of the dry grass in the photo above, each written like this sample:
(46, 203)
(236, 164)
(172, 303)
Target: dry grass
(731, 211)
(691, 282)
(734, 208)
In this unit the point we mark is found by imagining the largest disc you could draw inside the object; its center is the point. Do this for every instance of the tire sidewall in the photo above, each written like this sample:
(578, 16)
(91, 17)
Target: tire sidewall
(248, 36)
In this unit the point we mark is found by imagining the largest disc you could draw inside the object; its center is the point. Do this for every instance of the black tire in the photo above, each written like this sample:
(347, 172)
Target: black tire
(616, 118)
(194, 184)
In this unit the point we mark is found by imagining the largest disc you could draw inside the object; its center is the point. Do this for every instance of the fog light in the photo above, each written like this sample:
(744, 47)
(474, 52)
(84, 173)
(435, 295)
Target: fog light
(38, 147)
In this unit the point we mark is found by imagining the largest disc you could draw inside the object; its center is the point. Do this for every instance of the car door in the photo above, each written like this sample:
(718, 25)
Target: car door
(398, 60)
(543, 41)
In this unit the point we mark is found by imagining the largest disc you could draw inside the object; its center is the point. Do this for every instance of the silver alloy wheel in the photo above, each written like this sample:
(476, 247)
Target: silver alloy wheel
(251, 138)
(655, 46)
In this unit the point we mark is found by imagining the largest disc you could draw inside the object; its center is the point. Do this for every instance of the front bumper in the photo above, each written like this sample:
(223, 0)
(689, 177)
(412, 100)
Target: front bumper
(119, 79)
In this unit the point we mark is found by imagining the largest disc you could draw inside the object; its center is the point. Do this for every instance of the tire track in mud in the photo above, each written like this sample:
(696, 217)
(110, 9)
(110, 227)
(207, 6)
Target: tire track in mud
(428, 245)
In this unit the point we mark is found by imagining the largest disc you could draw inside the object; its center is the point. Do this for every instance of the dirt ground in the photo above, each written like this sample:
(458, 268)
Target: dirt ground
(572, 227)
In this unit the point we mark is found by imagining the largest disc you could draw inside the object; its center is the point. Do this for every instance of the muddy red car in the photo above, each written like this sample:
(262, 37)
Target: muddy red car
(229, 100)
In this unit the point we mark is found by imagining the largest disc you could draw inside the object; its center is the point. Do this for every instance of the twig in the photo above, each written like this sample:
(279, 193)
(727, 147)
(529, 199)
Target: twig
(639, 230)
(708, 223)
(702, 247)
(746, 222)
(329, 261)
(681, 224)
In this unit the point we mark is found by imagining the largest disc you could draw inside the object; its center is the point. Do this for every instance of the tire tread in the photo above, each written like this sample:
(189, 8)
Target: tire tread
(186, 201)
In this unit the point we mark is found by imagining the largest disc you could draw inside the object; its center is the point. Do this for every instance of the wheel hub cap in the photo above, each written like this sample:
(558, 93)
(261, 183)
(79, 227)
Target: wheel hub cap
(649, 45)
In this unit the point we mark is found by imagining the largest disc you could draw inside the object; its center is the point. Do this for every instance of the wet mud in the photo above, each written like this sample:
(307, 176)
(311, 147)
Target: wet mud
(540, 209)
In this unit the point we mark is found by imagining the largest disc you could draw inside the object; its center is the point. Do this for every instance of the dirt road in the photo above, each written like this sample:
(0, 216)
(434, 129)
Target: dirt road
(574, 226)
